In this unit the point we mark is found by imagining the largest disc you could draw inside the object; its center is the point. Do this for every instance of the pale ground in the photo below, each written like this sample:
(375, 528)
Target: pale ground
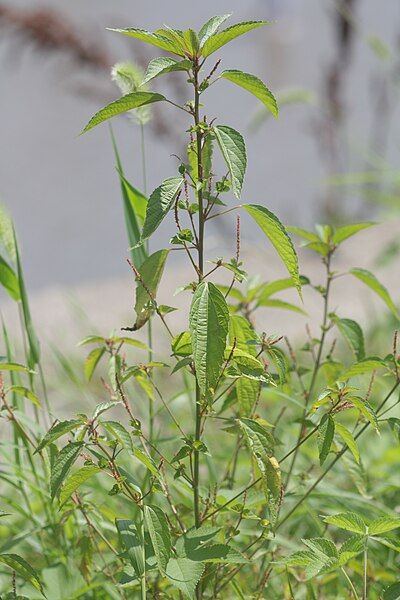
(64, 315)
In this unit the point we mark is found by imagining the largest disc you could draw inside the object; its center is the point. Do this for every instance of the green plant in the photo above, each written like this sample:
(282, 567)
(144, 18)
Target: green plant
(209, 493)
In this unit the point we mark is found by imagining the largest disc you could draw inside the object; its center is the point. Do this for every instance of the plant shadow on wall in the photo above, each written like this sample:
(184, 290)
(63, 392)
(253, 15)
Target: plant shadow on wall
(258, 477)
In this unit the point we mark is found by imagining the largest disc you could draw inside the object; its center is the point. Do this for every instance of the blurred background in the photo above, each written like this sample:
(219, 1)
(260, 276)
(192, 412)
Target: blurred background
(332, 156)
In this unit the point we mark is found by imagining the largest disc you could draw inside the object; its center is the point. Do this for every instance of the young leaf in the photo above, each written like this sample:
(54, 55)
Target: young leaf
(185, 574)
(9, 280)
(150, 276)
(133, 542)
(19, 565)
(233, 150)
(57, 431)
(209, 320)
(211, 27)
(218, 40)
(155, 39)
(163, 65)
(348, 521)
(348, 440)
(326, 431)
(160, 203)
(92, 360)
(62, 464)
(353, 334)
(342, 233)
(75, 480)
(158, 529)
(372, 282)
(383, 525)
(255, 86)
(278, 236)
(122, 105)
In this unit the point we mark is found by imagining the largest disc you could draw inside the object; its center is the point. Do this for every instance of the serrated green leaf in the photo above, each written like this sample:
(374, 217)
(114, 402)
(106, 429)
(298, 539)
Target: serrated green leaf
(132, 540)
(181, 344)
(57, 431)
(279, 238)
(322, 547)
(91, 362)
(233, 149)
(103, 407)
(217, 553)
(9, 280)
(349, 521)
(119, 433)
(123, 105)
(62, 464)
(366, 410)
(155, 39)
(217, 40)
(350, 548)
(392, 592)
(326, 431)
(383, 525)
(150, 272)
(74, 481)
(247, 391)
(164, 65)
(160, 203)
(362, 368)
(372, 282)
(348, 440)
(211, 27)
(353, 334)
(21, 567)
(255, 86)
(258, 438)
(158, 529)
(342, 233)
(185, 574)
(209, 321)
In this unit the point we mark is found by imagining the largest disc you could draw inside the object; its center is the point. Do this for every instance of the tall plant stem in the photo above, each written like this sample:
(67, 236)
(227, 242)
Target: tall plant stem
(365, 574)
(316, 365)
(200, 251)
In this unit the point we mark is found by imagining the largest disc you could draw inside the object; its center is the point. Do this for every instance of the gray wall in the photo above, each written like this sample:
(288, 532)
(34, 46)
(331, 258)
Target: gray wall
(62, 189)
